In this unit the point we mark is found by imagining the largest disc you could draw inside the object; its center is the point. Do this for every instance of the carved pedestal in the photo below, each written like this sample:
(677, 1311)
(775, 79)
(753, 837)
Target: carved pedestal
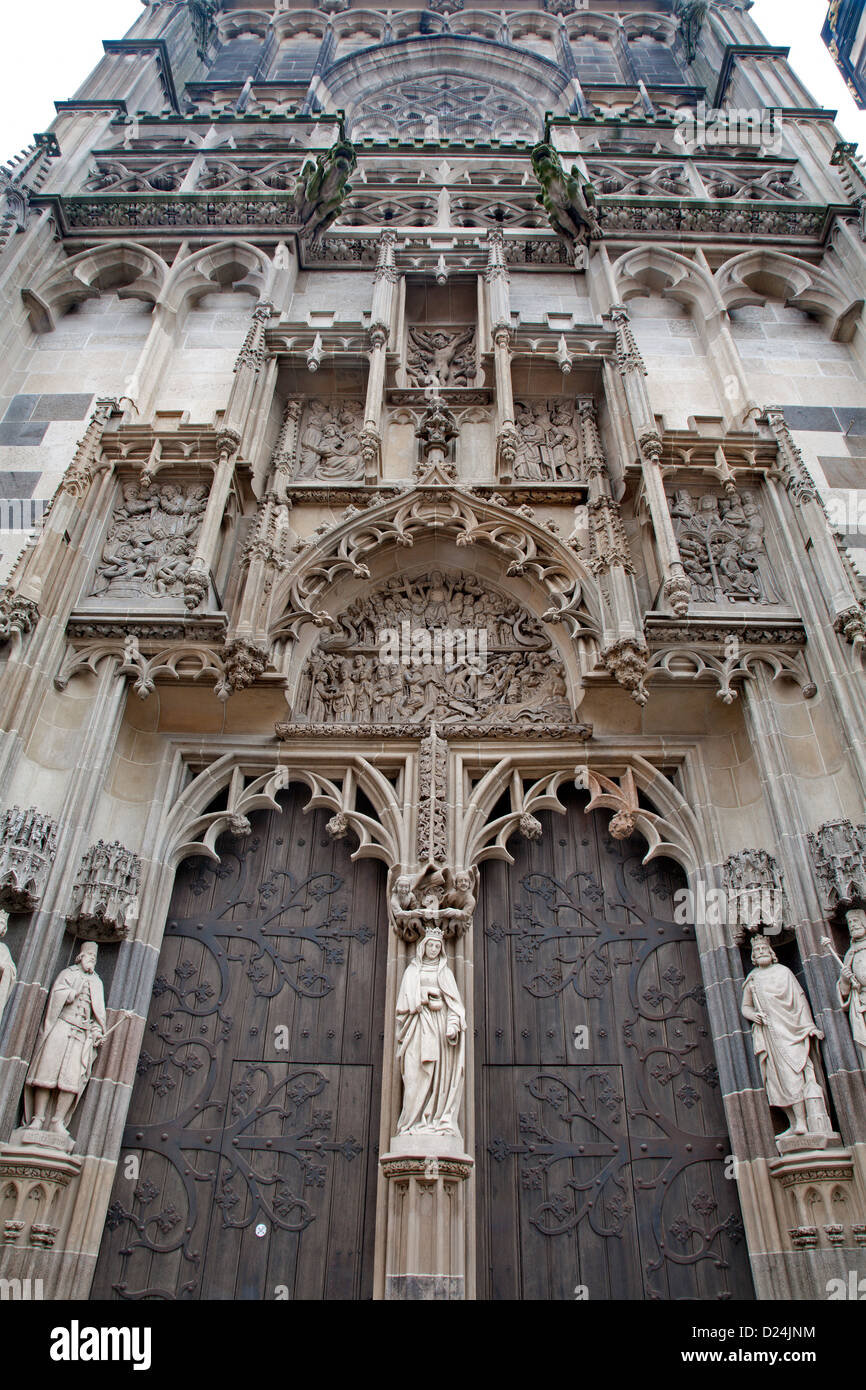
(822, 1206)
(425, 1256)
(32, 1181)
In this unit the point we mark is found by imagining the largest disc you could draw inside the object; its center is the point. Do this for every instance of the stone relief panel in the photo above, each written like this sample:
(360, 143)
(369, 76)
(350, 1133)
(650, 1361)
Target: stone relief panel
(441, 357)
(549, 448)
(150, 542)
(329, 441)
(439, 647)
(721, 540)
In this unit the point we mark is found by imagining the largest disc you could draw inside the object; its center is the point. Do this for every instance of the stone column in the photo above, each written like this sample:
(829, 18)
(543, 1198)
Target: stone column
(425, 1195)
(677, 587)
(499, 324)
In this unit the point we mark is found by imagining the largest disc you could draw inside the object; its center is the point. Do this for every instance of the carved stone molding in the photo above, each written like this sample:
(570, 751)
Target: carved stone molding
(105, 894)
(838, 851)
(28, 843)
(523, 546)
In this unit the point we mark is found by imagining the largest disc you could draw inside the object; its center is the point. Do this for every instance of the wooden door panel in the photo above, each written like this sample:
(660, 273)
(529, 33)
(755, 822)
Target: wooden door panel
(602, 1137)
(254, 1115)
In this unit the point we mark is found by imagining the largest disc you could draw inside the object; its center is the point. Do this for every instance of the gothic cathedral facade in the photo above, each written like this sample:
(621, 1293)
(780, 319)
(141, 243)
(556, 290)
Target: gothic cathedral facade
(433, 761)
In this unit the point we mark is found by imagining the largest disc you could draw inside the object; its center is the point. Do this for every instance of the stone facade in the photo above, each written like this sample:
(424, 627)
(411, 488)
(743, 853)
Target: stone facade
(435, 418)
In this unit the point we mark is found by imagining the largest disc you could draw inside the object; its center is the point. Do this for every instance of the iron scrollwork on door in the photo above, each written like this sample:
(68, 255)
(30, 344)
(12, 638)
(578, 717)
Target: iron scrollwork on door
(252, 1099)
(612, 1118)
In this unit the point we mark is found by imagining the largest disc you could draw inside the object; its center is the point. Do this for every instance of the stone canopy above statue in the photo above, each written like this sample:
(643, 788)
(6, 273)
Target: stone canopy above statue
(438, 647)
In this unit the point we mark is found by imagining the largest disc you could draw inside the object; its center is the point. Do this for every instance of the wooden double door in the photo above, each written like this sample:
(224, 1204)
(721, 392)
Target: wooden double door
(248, 1166)
(602, 1150)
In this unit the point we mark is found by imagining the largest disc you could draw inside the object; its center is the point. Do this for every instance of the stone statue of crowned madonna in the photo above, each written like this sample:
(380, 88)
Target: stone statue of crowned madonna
(431, 1041)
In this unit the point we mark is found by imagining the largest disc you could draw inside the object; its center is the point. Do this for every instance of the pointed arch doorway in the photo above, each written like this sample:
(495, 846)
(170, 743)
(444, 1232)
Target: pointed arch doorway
(602, 1148)
(248, 1163)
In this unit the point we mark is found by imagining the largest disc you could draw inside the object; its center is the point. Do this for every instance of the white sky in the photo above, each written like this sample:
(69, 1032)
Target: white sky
(49, 47)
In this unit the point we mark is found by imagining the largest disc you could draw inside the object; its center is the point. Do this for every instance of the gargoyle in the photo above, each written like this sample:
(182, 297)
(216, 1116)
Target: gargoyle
(568, 199)
(691, 14)
(321, 188)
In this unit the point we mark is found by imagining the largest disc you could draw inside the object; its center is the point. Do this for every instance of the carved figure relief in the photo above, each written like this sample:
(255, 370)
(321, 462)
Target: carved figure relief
(71, 1032)
(721, 542)
(851, 986)
(549, 449)
(437, 647)
(440, 898)
(151, 541)
(431, 1041)
(441, 357)
(329, 443)
(783, 1030)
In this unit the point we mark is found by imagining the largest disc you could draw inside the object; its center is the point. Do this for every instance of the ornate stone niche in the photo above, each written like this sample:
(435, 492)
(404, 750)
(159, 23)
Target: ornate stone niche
(442, 357)
(439, 646)
(105, 895)
(549, 447)
(28, 842)
(150, 545)
(329, 442)
(721, 541)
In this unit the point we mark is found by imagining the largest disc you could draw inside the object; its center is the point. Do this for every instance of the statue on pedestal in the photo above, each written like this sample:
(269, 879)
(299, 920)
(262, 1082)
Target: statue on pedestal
(431, 1038)
(851, 987)
(8, 971)
(73, 1028)
(782, 1033)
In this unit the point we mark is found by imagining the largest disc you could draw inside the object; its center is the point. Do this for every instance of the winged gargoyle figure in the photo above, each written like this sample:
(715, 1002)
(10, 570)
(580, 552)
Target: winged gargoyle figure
(321, 188)
(568, 199)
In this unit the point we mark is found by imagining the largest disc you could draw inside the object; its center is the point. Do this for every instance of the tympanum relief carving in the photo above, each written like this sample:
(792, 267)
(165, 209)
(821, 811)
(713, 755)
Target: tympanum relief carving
(151, 542)
(721, 541)
(439, 647)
